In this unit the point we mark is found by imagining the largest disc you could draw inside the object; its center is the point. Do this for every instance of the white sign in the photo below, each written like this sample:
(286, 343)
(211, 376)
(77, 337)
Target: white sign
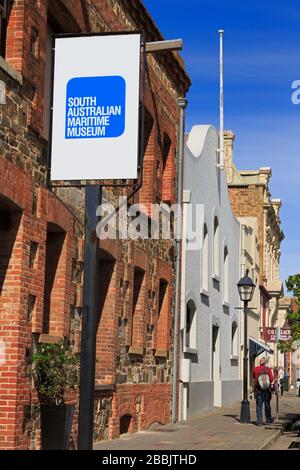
(96, 107)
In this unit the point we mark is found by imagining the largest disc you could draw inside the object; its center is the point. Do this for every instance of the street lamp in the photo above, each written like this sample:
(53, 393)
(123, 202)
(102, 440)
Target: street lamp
(246, 289)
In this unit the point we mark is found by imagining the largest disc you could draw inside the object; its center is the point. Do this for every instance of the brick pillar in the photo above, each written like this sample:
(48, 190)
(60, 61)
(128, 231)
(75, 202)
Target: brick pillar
(12, 334)
(54, 296)
(146, 194)
(168, 177)
(138, 310)
(107, 322)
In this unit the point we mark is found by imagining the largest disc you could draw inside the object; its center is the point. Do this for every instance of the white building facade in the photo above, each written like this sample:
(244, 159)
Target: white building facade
(210, 373)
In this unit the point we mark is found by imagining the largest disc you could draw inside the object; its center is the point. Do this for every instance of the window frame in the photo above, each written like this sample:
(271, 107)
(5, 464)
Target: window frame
(204, 289)
(234, 347)
(190, 334)
(216, 249)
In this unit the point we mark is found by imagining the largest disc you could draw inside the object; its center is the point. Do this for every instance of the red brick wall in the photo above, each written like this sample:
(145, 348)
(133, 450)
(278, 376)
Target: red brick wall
(18, 282)
(146, 404)
(166, 80)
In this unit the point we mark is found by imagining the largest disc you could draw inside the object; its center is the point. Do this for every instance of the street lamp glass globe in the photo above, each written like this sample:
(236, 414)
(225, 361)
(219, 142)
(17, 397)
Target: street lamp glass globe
(246, 288)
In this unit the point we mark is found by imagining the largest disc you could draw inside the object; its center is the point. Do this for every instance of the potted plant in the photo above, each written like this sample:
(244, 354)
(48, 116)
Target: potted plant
(56, 373)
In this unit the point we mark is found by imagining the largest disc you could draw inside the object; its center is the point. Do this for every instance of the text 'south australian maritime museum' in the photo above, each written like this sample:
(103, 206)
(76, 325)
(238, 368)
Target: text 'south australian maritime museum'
(102, 114)
(95, 127)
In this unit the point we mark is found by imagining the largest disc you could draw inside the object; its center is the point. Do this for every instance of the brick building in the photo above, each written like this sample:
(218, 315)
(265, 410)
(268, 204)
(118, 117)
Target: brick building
(250, 197)
(41, 232)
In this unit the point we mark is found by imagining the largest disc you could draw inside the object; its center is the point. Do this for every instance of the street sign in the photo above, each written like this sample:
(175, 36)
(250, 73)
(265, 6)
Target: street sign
(95, 118)
(285, 334)
(271, 334)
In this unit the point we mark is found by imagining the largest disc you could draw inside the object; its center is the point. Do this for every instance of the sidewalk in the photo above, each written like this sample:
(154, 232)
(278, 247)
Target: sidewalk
(218, 429)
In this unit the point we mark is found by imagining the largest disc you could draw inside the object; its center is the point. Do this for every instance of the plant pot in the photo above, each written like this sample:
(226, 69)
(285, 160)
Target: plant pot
(56, 424)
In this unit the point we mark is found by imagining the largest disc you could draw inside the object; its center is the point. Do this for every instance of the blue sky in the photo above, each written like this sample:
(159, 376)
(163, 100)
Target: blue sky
(262, 59)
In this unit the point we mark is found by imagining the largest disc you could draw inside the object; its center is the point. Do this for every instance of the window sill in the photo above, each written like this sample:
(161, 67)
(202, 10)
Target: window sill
(10, 71)
(136, 350)
(161, 353)
(50, 339)
(234, 358)
(216, 278)
(106, 387)
(190, 351)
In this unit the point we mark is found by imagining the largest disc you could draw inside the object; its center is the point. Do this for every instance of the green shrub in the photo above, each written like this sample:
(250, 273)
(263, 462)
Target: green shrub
(56, 371)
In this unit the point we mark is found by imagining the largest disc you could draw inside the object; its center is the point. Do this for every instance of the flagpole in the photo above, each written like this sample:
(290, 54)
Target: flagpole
(221, 160)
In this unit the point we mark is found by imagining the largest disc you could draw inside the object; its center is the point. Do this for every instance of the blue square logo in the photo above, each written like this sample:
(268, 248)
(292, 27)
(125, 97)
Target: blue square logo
(95, 107)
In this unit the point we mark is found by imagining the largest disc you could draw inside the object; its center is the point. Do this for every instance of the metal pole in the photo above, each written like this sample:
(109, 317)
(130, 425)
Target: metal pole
(245, 405)
(182, 103)
(277, 378)
(294, 371)
(221, 163)
(89, 320)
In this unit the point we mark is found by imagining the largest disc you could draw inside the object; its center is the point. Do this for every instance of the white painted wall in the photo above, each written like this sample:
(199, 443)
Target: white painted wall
(208, 186)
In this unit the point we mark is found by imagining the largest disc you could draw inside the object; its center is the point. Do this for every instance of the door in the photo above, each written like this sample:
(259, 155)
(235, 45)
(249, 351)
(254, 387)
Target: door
(216, 366)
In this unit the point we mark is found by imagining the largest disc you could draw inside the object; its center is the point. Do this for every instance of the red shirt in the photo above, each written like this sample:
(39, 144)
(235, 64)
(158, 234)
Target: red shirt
(257, 370)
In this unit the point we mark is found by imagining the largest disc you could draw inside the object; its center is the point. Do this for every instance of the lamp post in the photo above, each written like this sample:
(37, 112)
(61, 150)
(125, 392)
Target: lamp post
(246, 289)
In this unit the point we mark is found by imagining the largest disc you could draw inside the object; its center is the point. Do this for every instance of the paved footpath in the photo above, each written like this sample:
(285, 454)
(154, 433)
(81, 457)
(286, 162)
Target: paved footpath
(218, 429)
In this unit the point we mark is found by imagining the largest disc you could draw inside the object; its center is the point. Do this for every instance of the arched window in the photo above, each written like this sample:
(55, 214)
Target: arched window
(234, 339)
(190, 329)
(226, 276)
(216, 249)
(204, 264)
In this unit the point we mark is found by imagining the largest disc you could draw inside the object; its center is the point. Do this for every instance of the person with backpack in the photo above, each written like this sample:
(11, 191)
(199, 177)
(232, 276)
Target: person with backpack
(281, 380)
(263, 379)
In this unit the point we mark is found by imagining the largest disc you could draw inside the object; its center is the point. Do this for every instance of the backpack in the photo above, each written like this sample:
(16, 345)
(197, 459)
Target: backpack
(263, 380)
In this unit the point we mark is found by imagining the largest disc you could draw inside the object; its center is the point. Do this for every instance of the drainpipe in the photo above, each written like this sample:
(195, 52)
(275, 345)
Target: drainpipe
(182, 103)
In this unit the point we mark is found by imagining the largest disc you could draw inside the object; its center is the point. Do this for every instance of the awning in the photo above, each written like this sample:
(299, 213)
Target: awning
(257, 347)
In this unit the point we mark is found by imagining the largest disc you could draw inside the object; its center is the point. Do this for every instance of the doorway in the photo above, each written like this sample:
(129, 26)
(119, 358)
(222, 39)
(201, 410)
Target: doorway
(216, 366)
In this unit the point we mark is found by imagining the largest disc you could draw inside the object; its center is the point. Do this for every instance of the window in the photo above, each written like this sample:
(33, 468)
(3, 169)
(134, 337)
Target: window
(30, 306)
(3, 26)
(190, 327)
(33, 249)
(204, 264)
(234, 340)
(216, 249)
(226, 276)
(34, 42)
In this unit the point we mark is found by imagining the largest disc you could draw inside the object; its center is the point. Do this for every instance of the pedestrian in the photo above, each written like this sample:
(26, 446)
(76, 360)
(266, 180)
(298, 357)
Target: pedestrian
(281, 380)
(298, 387)
(263, 379)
